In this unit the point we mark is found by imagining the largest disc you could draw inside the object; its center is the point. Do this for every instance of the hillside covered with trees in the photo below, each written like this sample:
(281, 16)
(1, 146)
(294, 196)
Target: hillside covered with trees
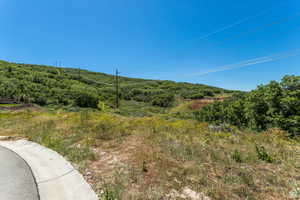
(45, 85)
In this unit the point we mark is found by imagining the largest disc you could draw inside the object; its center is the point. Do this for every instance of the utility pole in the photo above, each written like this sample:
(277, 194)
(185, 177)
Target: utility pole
(117, 89)
(58, 63)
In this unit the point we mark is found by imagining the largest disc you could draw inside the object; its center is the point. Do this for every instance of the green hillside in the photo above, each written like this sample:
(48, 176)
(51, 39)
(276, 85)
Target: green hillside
(46, 85)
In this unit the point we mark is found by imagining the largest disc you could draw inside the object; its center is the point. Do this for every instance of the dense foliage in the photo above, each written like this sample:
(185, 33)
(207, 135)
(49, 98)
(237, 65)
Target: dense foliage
(46, 85)
(276, 104)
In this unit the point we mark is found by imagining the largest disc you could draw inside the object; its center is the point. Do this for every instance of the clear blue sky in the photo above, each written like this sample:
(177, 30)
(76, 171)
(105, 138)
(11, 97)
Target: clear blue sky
(187, 40)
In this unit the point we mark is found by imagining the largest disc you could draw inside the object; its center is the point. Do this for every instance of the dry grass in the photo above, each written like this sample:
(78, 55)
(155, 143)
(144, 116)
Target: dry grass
(149, 157)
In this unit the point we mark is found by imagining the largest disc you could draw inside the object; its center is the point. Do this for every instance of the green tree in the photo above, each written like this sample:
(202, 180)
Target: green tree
(163, 100)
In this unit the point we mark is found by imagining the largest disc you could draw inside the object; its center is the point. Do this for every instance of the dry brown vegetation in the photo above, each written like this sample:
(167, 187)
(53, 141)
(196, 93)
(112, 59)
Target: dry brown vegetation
(196, 104)
(158, 158)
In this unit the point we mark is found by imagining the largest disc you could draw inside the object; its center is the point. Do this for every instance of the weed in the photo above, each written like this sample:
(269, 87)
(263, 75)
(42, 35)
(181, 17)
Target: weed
(244, 192)
(133, 175)
(112, 192)
(246, 178)
(236, 156)
(144, 167)
(262, 154)
(84, 116)
(110, 127)
(79, 154)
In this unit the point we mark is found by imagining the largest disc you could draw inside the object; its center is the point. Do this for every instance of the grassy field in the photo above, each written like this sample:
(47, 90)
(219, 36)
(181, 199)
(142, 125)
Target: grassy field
(161, 157)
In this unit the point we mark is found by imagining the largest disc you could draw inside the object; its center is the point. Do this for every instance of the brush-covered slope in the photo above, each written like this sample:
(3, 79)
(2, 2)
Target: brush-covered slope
(46, 85)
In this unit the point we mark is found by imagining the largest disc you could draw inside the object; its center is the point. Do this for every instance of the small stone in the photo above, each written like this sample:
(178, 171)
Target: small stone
(191, 194)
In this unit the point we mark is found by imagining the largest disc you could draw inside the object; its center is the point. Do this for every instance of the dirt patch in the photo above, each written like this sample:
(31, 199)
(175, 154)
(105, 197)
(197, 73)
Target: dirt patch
(20, 107)
(10, 138)
(200, 103)
(112, 158)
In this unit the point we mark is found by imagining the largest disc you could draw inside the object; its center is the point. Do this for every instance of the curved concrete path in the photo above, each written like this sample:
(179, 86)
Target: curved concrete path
(56, 178)
(16, 179)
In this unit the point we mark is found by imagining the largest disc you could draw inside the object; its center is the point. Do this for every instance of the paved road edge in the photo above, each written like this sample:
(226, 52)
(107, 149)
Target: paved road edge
(55, 177)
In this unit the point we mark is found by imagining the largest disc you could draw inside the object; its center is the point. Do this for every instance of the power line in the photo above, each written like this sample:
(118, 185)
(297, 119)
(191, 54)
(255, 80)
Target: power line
(58, 63)
(117, 89)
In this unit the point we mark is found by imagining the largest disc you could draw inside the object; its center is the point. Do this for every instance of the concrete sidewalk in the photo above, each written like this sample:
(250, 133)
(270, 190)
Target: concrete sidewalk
(56, 178)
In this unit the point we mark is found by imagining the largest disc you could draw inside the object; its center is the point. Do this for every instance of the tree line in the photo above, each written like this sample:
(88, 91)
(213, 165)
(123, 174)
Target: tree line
(276, 104)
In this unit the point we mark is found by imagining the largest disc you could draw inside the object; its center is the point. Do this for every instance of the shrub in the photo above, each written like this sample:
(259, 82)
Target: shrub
(102, 106)
(164, 100)
(41, 100)
(208, 93)
(85, 99)
(262, 154)
(197, 96)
